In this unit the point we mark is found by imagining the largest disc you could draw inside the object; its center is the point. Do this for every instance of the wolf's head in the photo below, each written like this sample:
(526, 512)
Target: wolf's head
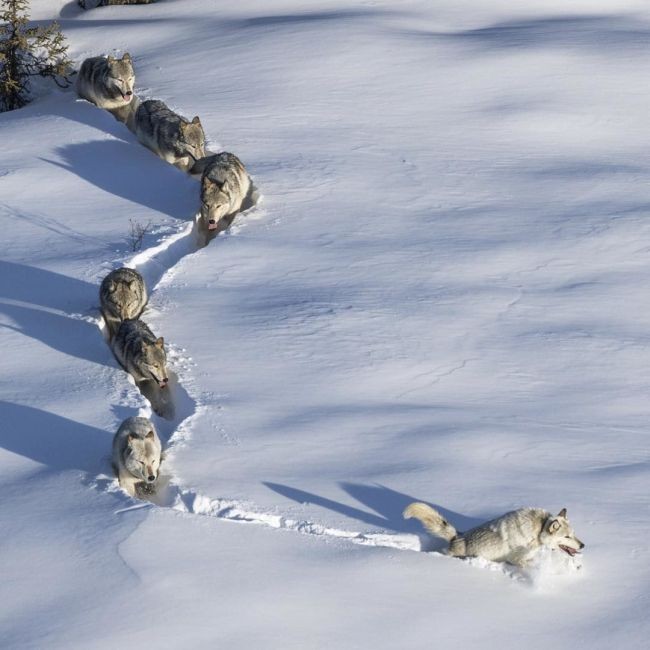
(215, 203)
(121, 76)
(143, 452)
(558, 534)
(126, 296)
(155, 360)
(192, 140)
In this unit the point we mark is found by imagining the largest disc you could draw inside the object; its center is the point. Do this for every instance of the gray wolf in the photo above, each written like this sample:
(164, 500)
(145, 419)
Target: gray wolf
(122, 296)
(140, 353)
(107, 82)
(126, 114)
(137, 454)
(169, 135)
(224, 186)
(512, 538)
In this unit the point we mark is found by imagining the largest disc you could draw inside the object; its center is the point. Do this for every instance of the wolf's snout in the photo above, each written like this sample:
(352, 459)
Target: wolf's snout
(212, 222)
(163, 382)
(129, 93)
(151, 478)
(582, 545)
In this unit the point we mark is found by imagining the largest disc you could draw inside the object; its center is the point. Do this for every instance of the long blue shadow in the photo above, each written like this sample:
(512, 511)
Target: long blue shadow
(387, 504)
(53, 441)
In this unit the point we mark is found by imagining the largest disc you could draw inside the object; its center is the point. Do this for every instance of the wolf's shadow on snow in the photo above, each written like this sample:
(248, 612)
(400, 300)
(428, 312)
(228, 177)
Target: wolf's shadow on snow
(72, 336)
(35, 302)
(45, 288)
(385, 507)
(52, 440)
(129, 170)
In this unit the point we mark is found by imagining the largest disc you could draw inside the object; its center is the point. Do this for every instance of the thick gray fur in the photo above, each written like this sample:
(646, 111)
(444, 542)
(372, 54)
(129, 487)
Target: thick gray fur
(224, 186)
(137, 454)
(169, 135)
(107, 82)
(122, 296)
(126, 114)
(140, 353)
(514, 537)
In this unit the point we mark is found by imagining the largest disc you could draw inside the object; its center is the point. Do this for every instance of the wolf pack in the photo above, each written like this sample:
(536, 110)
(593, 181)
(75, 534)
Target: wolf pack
(108, 82)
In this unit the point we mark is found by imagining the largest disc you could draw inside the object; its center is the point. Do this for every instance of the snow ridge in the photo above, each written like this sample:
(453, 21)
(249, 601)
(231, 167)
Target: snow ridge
(196, 503)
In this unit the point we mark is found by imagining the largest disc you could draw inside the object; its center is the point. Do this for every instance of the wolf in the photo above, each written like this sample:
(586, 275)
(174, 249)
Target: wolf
(140, 353)
(122, 296)
(512, 538)
(137, 454)
(107, 82)
(224, 186)
(126, 114)
(169, 135)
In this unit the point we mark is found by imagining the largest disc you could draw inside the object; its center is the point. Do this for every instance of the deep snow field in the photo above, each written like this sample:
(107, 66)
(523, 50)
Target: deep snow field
(442, 296)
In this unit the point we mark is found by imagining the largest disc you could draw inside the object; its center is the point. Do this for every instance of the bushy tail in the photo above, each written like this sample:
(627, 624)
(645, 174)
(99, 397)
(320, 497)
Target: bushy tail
(431, 519)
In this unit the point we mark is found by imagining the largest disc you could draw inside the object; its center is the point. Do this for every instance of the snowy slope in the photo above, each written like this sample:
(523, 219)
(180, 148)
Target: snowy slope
(441, 297)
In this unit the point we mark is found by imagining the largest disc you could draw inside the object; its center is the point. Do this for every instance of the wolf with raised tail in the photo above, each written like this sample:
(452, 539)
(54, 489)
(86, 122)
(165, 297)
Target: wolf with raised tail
(137, 454)
(122, 296)
(513, 538)
(225, 184)
(179, 141)
(140, 353)
(108, 83)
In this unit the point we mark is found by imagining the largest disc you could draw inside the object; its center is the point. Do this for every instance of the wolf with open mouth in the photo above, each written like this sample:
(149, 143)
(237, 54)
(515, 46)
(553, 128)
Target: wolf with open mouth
(107, 82)
(513, 538)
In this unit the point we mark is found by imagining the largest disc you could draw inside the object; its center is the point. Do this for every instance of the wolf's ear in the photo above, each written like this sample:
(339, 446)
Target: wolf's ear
(210, 183)
(196, 120)
(126, 57)
(562, 513)
(110, 59)
(160, 342)
(111, 287)
(131, 438)
(150, 435)
(554, 527)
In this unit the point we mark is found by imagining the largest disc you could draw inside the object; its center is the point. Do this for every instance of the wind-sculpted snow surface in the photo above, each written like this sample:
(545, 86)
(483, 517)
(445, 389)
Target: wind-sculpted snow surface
(441, 299)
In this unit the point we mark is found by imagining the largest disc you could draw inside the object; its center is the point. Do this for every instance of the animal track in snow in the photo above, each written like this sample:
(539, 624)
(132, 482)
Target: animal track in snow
(176, 413)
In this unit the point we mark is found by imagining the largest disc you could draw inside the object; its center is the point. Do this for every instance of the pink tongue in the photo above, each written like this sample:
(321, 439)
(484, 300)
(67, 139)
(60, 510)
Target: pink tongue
(212, 226)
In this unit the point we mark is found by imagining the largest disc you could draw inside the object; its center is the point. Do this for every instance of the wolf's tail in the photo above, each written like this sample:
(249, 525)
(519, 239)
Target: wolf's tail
(431, 519)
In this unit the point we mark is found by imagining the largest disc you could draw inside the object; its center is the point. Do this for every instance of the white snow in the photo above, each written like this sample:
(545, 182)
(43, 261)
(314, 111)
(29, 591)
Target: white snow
(442, 296)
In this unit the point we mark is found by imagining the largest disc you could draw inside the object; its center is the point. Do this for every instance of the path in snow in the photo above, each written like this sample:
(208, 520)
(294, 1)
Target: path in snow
(176, 409)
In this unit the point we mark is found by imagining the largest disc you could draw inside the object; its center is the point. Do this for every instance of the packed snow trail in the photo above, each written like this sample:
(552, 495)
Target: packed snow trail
(153, 264)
